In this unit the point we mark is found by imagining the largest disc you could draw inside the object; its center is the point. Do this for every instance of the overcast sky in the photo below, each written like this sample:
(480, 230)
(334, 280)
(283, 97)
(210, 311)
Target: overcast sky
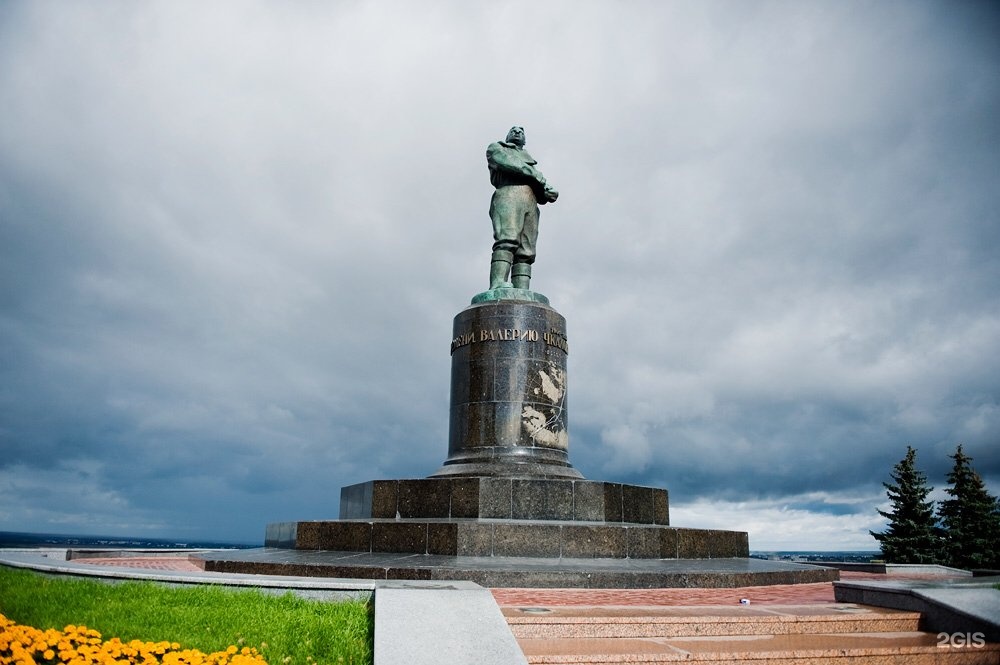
(233, 236)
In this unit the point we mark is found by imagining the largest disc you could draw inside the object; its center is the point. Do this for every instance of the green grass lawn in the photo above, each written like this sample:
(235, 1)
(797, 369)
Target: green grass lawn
(284, 629)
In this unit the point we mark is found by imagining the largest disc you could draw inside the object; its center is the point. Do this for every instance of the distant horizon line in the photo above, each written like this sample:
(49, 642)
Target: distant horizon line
(104, 536)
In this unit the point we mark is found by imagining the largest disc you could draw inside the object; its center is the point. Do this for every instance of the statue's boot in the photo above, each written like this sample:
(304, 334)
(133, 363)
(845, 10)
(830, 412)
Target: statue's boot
(499, 268)
(520, 275)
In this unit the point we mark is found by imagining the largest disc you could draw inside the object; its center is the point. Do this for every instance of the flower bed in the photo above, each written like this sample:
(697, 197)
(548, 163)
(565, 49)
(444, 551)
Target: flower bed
(78, 645)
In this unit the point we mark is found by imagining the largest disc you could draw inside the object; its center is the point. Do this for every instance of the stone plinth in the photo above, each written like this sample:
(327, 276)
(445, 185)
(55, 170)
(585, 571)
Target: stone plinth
(508, 412)
(505, 498)
(509, 538)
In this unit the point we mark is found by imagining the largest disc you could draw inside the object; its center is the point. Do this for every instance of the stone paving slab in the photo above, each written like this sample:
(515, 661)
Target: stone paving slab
(431, 626)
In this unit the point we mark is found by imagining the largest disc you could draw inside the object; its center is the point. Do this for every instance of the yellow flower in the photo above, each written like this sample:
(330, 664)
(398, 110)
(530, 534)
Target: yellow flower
(78, 645)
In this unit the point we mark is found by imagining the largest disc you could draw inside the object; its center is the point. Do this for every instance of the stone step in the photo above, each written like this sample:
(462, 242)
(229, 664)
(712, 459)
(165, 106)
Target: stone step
(874, 648)
(832, 633)
(674, 622)
(508, 538)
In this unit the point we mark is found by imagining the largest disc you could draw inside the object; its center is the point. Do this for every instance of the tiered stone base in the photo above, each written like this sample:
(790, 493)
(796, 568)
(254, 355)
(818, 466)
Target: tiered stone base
(511, 532)
(501, 532)
(507, 517)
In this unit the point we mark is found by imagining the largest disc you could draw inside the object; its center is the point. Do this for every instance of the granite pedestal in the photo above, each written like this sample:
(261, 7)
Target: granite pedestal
(509, 409)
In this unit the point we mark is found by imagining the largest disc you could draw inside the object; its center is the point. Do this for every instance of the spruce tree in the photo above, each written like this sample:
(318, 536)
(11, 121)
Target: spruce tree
(971, 518)
(912, 536)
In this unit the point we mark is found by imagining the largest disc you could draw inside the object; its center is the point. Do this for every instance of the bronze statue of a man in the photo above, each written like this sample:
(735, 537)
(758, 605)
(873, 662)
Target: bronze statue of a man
(520, 189)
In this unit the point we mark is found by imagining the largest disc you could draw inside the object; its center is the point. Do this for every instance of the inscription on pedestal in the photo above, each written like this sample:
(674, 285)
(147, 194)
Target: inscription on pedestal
(553, 338)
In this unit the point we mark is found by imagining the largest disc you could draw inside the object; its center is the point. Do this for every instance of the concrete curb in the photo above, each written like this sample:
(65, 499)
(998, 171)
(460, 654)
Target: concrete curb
(431, 626)
(924, 569)
(958, 607)
(897, 569)
(54, 562)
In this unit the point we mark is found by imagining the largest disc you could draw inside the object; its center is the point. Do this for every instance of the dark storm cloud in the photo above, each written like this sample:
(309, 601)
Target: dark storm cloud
(232, 239)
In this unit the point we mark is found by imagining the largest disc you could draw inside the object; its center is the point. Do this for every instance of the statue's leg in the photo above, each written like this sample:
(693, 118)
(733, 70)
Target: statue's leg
(520, 275)
(505, 236)
(524, 256)
(499, 268)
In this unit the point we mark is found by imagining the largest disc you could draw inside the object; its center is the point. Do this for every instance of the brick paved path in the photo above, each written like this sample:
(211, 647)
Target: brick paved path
(789, 594)
(146, 562)
(778, 594)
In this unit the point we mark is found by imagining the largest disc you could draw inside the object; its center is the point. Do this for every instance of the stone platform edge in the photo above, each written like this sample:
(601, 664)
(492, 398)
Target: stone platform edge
(966, 607)
(505, 572)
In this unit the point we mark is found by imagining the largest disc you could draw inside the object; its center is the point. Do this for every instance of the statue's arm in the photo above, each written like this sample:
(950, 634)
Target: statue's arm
(514, 161)
(508, 160)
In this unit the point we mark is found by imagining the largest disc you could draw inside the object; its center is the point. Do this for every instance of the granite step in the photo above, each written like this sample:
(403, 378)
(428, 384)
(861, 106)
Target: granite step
(629, 622)
(897, 648)
(772, 635)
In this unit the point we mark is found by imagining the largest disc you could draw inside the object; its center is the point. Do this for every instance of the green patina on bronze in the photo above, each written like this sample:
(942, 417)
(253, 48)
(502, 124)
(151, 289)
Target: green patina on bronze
(509, 293)
(520, 189)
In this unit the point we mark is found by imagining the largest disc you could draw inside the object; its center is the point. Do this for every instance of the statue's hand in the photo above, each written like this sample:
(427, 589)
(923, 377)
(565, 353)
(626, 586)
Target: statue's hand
(550, 194)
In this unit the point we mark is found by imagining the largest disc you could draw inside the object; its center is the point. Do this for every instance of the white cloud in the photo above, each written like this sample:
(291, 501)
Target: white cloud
(778, 525)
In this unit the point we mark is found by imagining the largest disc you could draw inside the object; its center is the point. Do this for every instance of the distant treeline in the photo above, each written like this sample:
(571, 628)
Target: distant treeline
(29, 540)
(852, 556)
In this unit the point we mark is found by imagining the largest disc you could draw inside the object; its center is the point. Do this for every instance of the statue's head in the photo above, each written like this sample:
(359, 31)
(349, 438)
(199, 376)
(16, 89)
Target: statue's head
(516, 136)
